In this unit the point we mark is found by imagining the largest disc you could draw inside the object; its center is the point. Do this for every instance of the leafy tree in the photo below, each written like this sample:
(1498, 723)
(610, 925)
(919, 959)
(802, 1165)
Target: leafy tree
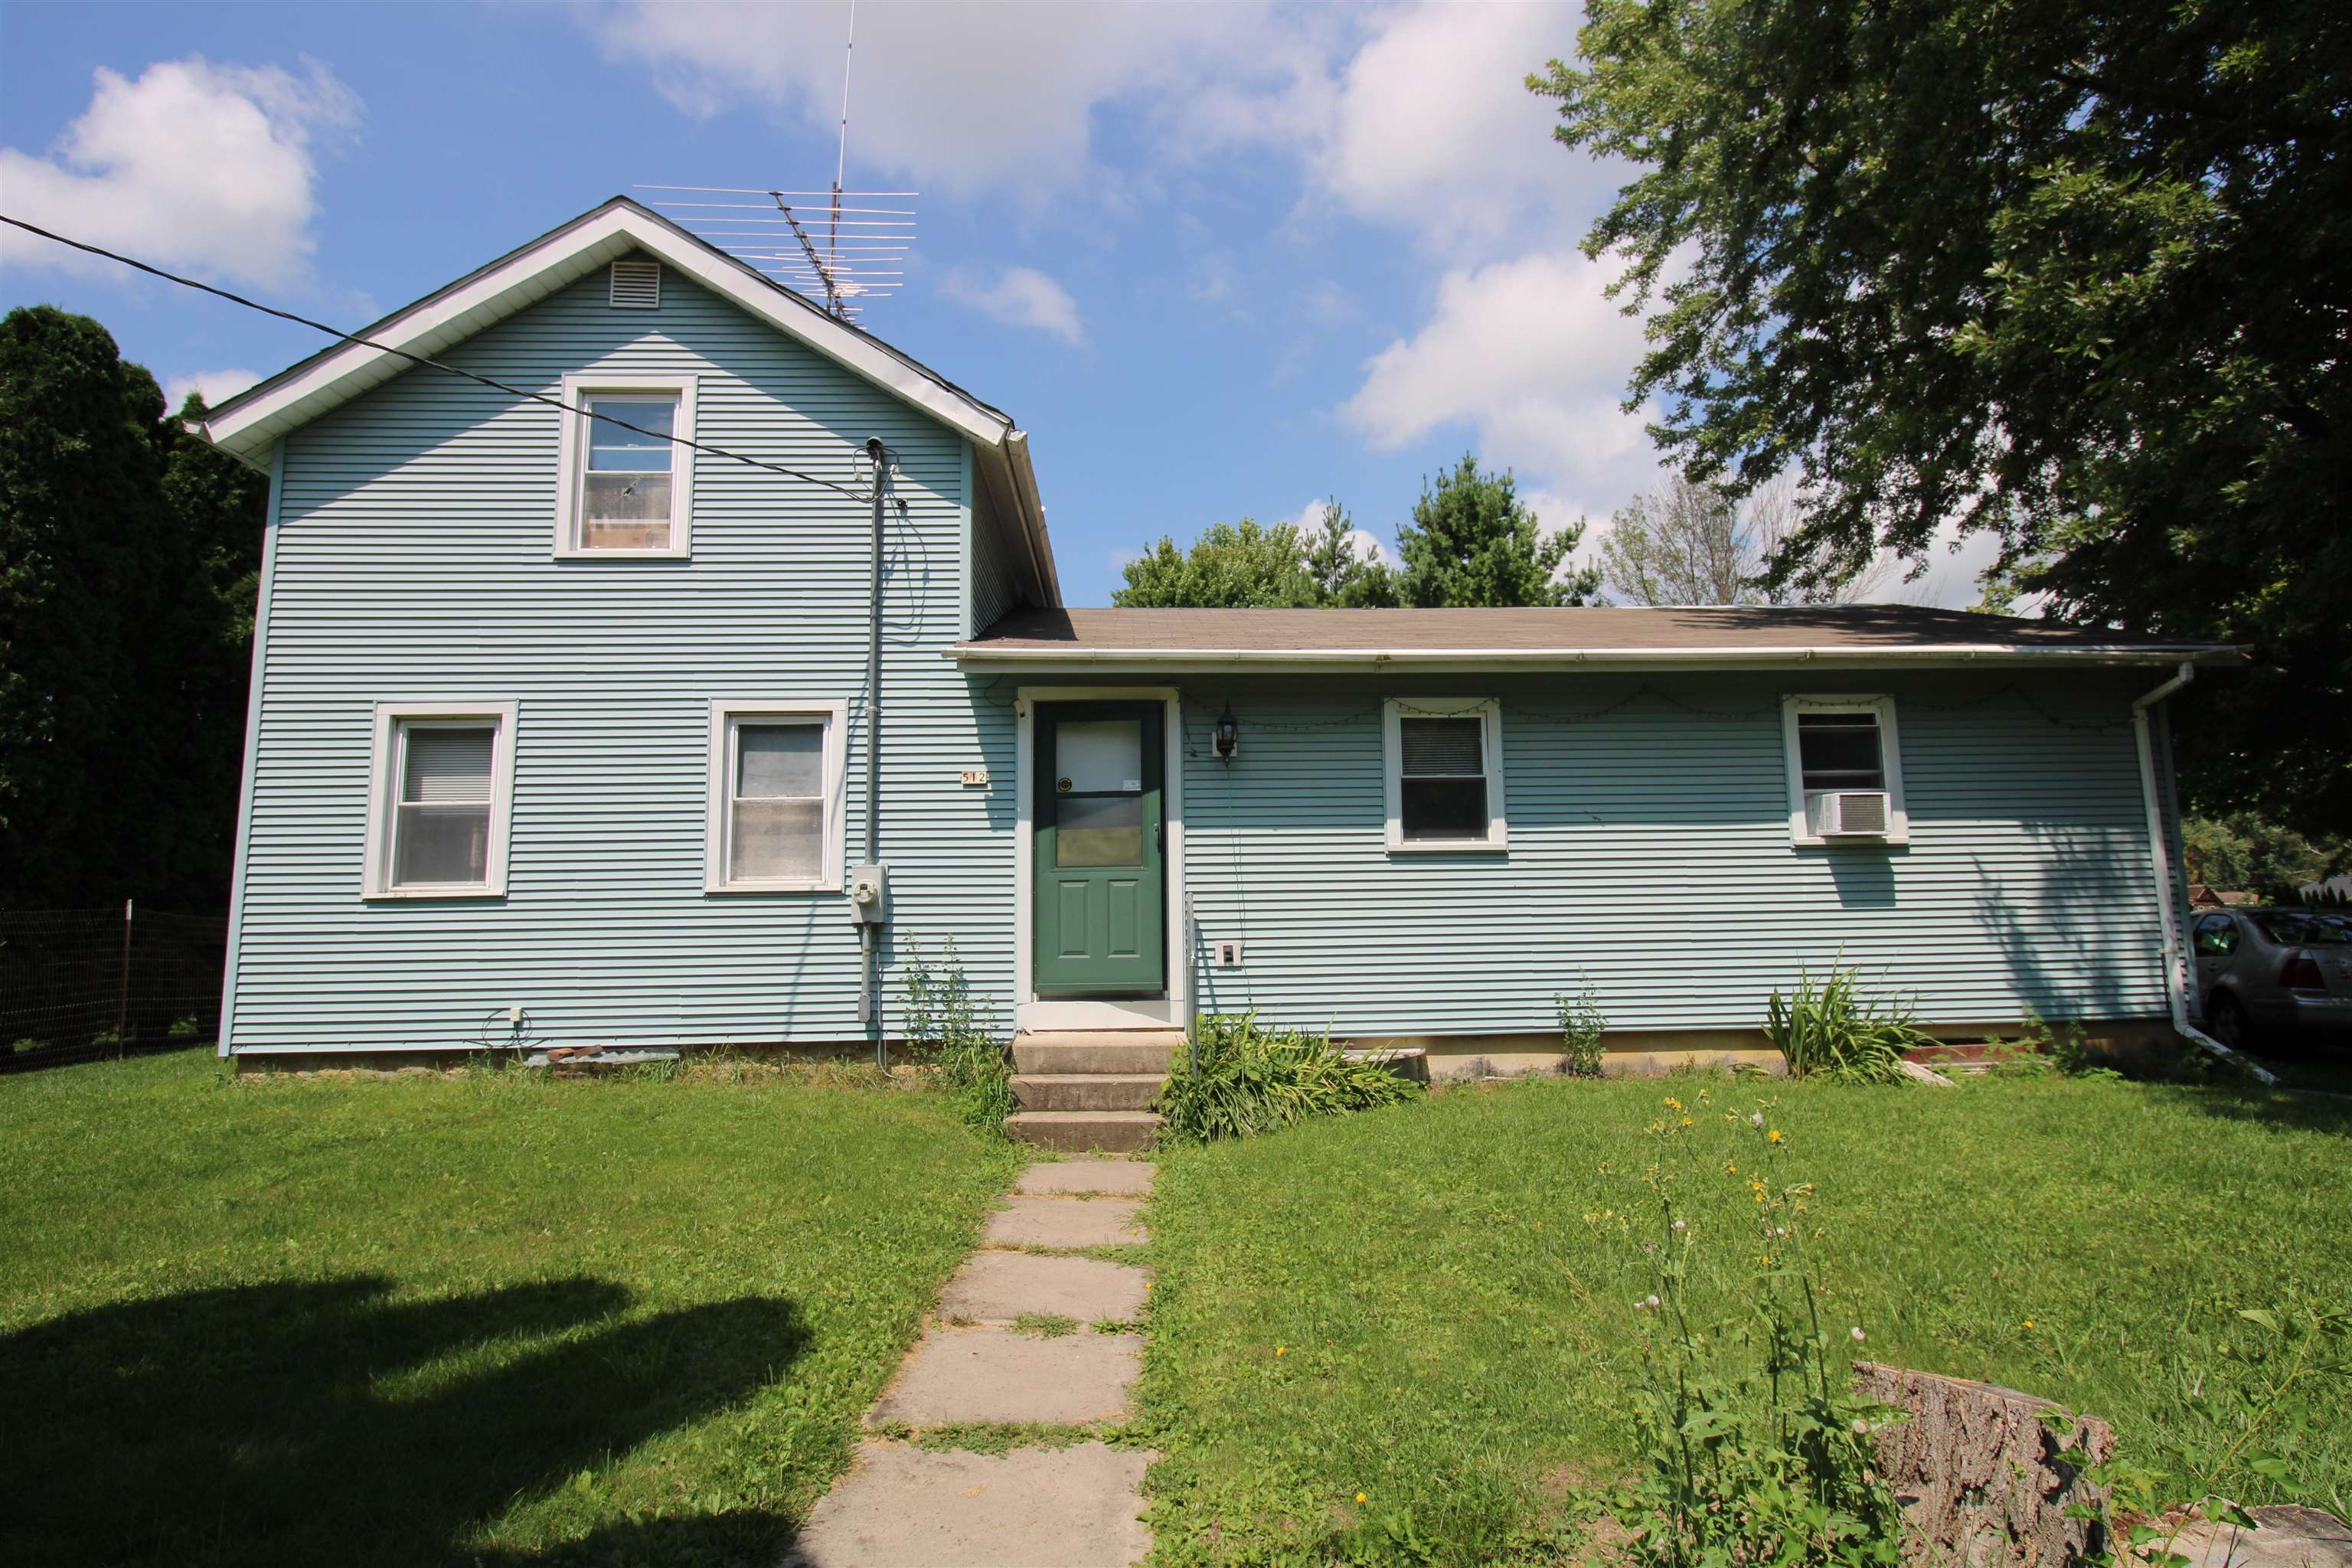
(2069, 273)
(2243, 852)
(1472, 541)
(1230, 566)
(121, 672)
(1689, 544)
(1342, 575)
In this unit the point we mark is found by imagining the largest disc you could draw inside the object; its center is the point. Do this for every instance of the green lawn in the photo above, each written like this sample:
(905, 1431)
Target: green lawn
(486, 1320)
(1411, 1304)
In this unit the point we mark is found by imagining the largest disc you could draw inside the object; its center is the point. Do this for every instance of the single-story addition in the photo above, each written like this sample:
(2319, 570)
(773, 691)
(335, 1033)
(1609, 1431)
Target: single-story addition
(671, 656)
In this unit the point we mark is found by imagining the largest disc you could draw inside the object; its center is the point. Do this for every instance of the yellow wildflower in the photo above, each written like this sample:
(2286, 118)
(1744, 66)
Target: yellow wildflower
(1686, 1122)
(2029, 1322)
(1277, 1350)
(1773, 1136)
(1360, 1497)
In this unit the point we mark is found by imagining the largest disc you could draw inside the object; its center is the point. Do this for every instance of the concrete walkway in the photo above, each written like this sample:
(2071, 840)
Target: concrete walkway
(1054, 1499)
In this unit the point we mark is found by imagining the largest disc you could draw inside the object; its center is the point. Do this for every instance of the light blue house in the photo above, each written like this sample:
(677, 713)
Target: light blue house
(564, 733)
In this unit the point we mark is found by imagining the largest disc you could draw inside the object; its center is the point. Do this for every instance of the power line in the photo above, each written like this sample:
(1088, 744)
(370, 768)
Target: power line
(430, 364)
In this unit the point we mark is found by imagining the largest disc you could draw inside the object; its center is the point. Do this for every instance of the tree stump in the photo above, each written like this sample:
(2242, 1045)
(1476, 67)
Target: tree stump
(1982, 1479)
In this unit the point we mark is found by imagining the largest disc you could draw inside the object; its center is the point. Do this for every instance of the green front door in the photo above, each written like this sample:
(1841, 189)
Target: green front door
(1099, 928)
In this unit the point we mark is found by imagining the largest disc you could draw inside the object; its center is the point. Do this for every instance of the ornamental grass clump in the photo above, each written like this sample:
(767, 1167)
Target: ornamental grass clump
(1826, 1028)
(1752, 1448)
(1235, 1080)
(941, 1020)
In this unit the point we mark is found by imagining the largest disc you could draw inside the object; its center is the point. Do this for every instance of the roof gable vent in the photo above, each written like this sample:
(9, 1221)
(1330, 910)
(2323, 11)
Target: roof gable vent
(636, 286)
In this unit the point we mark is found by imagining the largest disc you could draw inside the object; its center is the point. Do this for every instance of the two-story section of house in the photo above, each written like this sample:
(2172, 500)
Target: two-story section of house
(562, 661)
(585, 572)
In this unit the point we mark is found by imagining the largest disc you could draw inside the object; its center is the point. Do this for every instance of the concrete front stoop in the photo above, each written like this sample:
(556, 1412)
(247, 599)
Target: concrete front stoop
(1054, 1503)
(1090, 1090)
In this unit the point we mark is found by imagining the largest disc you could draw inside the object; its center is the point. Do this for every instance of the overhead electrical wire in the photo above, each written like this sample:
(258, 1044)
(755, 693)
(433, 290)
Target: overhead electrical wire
(433, 364)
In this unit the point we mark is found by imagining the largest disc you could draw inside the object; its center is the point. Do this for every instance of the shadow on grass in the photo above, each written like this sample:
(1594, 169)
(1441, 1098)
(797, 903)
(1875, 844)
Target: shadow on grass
(318, 1422)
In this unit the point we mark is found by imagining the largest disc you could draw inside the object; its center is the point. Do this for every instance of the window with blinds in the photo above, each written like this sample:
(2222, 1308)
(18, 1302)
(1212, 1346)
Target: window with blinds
(776, 809)
(1445, 781)
(441, 815)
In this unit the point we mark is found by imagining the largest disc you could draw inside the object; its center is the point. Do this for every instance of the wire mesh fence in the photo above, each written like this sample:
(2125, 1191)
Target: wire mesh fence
(83, 985)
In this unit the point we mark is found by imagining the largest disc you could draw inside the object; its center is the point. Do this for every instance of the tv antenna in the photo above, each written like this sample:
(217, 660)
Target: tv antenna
(812, 242)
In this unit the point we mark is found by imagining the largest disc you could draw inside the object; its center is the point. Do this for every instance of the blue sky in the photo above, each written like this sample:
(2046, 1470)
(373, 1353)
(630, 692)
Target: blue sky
(1219, 260)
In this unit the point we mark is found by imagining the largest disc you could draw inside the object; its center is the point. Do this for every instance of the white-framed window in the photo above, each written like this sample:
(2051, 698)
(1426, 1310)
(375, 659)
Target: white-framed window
(440, 796)
(626, 490)
(1845, 769)
(1444, 771)
(776, 772)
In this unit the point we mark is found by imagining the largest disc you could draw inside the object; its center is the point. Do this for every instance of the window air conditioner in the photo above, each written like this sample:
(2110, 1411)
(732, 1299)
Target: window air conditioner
(1848, 814)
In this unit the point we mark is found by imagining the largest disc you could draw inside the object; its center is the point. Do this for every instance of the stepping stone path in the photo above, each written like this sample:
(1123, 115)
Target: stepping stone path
(1071, 1504)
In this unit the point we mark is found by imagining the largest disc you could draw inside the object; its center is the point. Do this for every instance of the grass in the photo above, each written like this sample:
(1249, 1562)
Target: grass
(1412, 1305)
(488, 1319)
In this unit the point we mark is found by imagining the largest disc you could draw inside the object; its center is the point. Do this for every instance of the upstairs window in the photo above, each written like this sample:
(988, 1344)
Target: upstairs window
(438, 827)
(775, 797)
(627, 482)
(1444, 774)
(1845, 785)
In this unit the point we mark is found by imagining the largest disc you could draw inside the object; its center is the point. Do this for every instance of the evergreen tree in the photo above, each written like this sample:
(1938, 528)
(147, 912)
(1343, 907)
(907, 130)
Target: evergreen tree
(1343, 576)
(1472, 541)
(121, 672)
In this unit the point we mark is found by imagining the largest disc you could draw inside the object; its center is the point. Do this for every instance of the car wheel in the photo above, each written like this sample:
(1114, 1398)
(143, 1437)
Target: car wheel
(2225, 1020)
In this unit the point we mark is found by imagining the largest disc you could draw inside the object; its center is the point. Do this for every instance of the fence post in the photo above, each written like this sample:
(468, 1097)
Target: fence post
(123, 1007)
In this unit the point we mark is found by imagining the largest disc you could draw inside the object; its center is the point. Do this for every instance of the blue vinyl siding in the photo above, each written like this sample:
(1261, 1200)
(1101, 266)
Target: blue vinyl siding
(1649, 853)
(414, 560)
(996, 564)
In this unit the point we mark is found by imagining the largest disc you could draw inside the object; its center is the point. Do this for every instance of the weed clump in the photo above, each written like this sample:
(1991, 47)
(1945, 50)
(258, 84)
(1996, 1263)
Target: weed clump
(1235, 1080)
(1827, 1028)
(944, 1023)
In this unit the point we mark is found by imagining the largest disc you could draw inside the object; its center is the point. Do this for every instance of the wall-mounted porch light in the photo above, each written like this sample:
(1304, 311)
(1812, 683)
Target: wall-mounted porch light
(1228, 741)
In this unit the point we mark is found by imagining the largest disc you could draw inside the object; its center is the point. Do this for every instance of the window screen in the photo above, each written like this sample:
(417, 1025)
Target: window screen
(626, 494)
(776, 809)
(1839, 750)
(441, 820)
(1442, 784)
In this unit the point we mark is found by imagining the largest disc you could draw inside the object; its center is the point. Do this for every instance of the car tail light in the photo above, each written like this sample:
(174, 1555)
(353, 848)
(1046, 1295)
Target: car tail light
(2301, 973)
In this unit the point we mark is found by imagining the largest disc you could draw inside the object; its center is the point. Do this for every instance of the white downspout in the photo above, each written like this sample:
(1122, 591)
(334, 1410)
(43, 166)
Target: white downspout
(2176, 961)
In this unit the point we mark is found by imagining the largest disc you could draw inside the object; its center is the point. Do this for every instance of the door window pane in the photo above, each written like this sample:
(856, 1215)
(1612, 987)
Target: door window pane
(441, 820)
(776, 818)
(626, 494)
(1441, 787)
(1099, 830)
(1098, 754)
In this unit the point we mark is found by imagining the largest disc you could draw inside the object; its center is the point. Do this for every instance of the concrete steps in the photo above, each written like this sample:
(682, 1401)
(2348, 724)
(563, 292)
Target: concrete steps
(1077, 1132)
(1118, 1051)
(1090, 1089)
(1087, 1091)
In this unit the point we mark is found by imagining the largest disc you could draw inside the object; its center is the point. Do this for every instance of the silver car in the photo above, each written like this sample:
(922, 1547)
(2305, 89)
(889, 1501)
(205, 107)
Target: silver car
(2274, 975)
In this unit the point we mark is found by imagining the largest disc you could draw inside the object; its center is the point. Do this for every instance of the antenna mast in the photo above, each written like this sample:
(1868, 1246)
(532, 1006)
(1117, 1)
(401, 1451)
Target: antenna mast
(864, 248)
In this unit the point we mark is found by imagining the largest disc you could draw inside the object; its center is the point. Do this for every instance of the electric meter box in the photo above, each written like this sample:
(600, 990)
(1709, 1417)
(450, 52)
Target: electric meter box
(869, 895)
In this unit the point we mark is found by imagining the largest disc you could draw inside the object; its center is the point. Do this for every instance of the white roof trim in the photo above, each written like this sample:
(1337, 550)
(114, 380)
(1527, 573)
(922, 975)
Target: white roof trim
(246, 426)
(1570, 658)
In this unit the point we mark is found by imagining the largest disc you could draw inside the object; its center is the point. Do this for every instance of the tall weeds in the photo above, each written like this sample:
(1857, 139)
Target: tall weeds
(1826, 1028)
(1236, 1079)
(943, 1022)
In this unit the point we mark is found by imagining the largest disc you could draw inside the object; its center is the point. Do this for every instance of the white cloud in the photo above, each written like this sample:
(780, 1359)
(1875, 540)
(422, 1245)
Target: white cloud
(194, 165)
(217, 386)
(1531, 358)
(1020, 296)
(968, 98)
(1430, 127)
(1328, 304)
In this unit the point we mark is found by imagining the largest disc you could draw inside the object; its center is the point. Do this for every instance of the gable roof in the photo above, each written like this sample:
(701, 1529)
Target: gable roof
(247, 424)
(1553, 639)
